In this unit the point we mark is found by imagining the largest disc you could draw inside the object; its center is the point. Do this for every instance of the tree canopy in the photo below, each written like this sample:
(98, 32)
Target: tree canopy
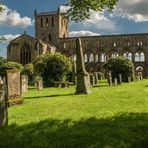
(80, 9)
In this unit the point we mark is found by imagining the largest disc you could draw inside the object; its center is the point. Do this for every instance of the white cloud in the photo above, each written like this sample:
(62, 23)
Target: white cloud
(9, 37)
(82, 33)
(64, 9)
(13, 19)
(135, 10)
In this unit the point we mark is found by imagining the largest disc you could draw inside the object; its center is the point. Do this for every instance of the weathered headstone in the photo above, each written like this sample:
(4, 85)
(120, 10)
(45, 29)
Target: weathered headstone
(128, 79)
(40, 84)
(140, 75)
(120, 79)
(3, 107)
(24, 83)
(92, 79)
(96, 77)
(109, 78)
(83, 81)
(13, 87)
(115, 81)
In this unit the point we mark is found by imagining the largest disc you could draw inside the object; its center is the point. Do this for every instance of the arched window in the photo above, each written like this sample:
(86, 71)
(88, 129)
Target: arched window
(137, 57)
(114, 55)
(43, 37)
(91, 58)
(47, 22)
(49, 37)
(128, 55)
(25, 54)
(142, 57)
(103, 57)
(74, 58)
(96, 58)
(52, 22)
(85, 57)
(41, 22)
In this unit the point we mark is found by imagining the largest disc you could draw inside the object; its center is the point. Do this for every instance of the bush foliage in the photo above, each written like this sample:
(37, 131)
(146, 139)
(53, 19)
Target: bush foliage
(52, 67)
(10, 66)
(120, 65)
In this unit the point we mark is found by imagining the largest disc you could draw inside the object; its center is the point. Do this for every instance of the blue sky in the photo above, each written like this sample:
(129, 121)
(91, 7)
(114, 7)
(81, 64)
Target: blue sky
(127, 17)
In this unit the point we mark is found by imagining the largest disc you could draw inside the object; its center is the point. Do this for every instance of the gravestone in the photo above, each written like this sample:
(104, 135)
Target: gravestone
(3, 107)
(14, 87)
(40, 84)
(128, 79)
(24, 83)
(83, 81)
(120, 79)
(92, 79)
(109, 78)
(115, 81)
(140, 76)
(96, 77)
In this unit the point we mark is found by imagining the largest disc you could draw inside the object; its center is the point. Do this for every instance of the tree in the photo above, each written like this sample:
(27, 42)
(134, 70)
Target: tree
(120, 65)
(2, 60)
(52, 67)
(80, 9)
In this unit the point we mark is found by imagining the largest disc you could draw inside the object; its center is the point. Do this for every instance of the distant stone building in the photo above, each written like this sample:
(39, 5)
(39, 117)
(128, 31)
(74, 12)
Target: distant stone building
(25, 49)
(51, 28)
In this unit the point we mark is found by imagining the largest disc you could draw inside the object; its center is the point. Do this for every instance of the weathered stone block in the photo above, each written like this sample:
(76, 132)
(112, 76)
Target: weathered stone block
(24, 83)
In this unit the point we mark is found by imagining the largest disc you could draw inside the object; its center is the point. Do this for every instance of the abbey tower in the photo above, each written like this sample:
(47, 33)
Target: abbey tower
(50, 27)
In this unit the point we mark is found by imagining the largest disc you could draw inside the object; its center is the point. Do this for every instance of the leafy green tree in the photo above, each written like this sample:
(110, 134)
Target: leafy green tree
(120, 65)
(52, 67)
(2, 60)
(80, 9)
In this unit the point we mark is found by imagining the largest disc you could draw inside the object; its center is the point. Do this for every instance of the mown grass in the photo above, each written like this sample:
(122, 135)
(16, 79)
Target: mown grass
(111, 117)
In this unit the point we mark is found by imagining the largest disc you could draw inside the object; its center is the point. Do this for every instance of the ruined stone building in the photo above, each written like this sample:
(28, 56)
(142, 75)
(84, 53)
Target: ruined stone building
(51, 29)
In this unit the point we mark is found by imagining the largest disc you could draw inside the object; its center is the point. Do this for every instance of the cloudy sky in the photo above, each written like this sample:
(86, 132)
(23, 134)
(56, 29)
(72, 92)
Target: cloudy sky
(129, 16)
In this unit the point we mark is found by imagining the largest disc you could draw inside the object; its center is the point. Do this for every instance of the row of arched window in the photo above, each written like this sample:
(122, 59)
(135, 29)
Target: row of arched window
(139, 57)
(46, 22)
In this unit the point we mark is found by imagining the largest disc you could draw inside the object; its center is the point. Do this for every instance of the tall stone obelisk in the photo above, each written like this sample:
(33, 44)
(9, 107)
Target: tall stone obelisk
(83, 80)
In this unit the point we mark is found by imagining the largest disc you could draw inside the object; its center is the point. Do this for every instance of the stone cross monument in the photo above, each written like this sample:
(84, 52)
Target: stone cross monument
(83, 81)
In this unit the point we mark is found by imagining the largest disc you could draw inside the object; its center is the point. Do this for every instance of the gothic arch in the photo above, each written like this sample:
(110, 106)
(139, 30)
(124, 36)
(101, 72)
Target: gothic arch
(25, 54)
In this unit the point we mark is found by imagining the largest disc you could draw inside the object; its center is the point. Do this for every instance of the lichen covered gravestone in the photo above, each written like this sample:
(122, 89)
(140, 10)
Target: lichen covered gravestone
(40, 84)
(14, 87)
(3, 106)
(83, 81)
(24, 83)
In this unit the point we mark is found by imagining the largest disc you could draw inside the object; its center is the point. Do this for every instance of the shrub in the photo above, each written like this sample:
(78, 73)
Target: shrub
(120, 65)
(9, 66)
(29, 71)
(52, 67)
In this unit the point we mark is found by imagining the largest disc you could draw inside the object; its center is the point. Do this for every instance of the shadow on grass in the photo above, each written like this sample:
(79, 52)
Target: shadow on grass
(124, 131)
(48, 96)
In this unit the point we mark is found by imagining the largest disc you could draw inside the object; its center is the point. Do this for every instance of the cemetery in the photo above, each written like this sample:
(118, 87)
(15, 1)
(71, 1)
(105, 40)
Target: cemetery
(95, 111)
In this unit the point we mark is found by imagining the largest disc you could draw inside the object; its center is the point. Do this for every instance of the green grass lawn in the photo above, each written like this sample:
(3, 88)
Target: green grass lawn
(111, 117)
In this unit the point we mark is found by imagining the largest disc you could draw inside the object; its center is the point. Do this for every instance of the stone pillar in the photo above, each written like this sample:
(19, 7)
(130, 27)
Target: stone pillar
(120, 79)
(40, 84)
(83, 81)
(24, 83)
(109, 78)
(115, 81)
(3, 106)
(14, 87)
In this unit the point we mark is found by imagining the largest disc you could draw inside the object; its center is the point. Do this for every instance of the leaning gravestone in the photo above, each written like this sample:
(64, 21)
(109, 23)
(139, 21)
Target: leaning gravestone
(24, 83)
(40, 84)
(13, 87)
(83, 81)
(3, 106)
(120, 79)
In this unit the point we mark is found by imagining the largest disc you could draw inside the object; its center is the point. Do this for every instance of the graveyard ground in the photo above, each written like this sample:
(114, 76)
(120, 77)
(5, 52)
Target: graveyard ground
(56, 118)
